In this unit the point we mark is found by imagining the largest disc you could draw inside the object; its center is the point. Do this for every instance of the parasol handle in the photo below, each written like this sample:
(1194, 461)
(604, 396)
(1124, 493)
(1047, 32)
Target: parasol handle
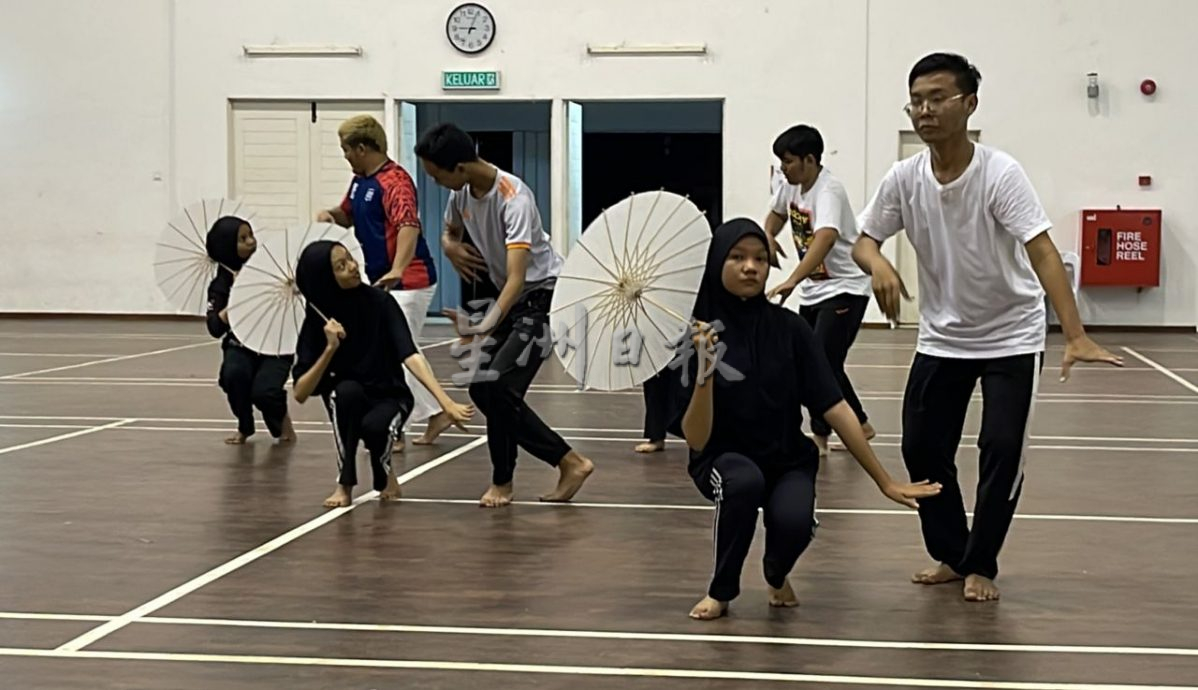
(318, 311)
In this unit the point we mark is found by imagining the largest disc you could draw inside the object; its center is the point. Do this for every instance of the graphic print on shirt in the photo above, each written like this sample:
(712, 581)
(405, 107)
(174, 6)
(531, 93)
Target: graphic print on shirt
(800, 227)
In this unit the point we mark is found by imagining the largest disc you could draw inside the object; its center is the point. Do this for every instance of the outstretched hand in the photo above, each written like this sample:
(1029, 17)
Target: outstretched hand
(907, 494)
(460, 414)
(1085, 350)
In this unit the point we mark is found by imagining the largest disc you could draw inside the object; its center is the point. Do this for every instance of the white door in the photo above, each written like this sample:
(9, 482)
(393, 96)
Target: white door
(287, 161)
(906, 262)
(330, 173)
(270, 149)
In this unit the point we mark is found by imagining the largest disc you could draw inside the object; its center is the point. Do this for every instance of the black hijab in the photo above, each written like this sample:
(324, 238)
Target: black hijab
(377, 338)
(774, 350)
(714, 302)
(318, 284)
(222, 242)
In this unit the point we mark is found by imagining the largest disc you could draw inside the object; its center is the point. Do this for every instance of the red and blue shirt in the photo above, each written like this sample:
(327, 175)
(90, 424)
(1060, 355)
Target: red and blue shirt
(378, 206)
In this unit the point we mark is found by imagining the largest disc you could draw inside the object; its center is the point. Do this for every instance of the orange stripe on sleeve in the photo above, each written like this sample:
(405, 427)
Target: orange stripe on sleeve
(506, 188)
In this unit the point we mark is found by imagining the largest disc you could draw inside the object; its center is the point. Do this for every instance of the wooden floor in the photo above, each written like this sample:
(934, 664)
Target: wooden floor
(138, 551)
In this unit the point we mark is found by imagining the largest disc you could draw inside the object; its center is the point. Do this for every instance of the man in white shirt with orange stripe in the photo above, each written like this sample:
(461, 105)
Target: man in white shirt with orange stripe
(500, 213)
(985, 263)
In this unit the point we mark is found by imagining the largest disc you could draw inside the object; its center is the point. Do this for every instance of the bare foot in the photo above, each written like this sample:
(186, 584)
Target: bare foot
(978, 588)
(236, 439)
(398, 445)
(651, 447)
(392, 492)
(339, 499)
(783, 598)
(288, 435)
(497, 496)
(437, 424)
(573, 471)
(709, 609)
(936, 575)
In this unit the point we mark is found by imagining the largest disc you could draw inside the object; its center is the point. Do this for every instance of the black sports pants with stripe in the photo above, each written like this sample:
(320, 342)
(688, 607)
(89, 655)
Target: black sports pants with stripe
(934, 408)
(359, 418)
(739, 487)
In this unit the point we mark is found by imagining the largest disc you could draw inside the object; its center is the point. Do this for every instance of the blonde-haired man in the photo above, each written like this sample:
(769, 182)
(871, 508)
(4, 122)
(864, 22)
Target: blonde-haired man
(381, 207)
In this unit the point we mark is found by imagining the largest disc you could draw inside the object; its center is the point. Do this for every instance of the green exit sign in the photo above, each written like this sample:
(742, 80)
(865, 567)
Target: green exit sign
(454, 81)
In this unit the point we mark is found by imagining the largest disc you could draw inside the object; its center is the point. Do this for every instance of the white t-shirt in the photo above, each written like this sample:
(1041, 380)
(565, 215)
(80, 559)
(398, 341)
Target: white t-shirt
(978, 294)
(506, 217)
(825, 205)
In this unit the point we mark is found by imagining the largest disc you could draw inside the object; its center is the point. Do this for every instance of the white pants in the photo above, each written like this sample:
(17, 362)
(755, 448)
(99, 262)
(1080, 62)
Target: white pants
(414, 304)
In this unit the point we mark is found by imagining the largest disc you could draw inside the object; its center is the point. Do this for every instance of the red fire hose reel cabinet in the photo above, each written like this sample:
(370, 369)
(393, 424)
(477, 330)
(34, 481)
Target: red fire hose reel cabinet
(1121, 247)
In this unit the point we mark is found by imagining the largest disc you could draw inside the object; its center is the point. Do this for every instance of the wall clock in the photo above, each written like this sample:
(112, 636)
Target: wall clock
(470, 28)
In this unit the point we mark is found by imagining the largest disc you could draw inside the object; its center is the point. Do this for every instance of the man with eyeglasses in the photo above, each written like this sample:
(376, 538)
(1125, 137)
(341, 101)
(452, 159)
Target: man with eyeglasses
(985, 263)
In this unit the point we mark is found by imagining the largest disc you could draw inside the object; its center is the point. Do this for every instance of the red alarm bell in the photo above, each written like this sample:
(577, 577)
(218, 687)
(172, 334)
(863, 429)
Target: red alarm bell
(1147, 87)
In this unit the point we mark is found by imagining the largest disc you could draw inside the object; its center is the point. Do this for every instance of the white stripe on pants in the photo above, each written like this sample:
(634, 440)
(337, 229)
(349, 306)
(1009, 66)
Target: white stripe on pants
(414, 304)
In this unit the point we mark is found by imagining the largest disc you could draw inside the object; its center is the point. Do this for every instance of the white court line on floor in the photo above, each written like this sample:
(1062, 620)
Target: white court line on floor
(57, 354)
(883, 444)
(1162, 369)
(622, 635)
(567, 389)
(825, 511)
(633, 434)
(109, 360)
(910, 347)
(671, 441)
(906, 367)
(439, 343)
(547, 669)
(63, 437)
(248, 557)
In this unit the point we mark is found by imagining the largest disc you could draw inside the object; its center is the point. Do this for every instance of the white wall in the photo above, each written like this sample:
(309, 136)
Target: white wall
(104, 114)
(85, 116)
(1034, 56)
(542, 55)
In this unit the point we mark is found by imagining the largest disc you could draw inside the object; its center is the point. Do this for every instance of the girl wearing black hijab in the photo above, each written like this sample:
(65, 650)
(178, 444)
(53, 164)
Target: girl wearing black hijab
(248, 378)
(355, 362)
(743, 418)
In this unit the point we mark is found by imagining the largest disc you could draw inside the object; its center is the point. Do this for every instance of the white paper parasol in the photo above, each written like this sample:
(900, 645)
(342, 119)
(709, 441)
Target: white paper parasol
(181, 263)
(627, 290)
(266, 308)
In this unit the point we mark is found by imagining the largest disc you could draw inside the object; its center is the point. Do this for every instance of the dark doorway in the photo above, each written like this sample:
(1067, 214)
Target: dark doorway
(495, 148)
(511, 135)
(617, 164)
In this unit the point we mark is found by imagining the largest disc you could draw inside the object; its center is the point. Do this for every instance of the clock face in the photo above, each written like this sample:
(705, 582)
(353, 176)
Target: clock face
(470, 28)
